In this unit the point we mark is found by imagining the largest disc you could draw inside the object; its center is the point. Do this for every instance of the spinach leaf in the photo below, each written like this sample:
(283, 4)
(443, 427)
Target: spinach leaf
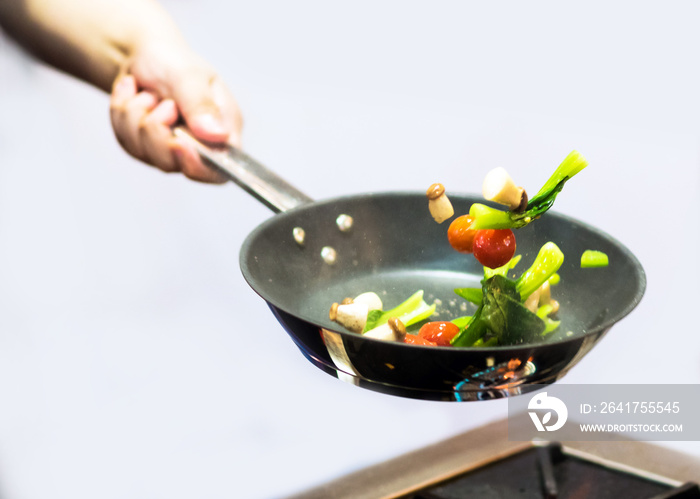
(503, 315)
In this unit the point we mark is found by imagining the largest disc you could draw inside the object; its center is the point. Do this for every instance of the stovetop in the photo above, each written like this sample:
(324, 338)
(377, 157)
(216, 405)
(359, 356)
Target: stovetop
(552, 472)
(483, 463)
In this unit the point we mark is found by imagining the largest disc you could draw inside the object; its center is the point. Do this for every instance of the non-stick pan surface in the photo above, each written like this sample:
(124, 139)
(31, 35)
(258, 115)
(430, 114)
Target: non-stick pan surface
(394, 248)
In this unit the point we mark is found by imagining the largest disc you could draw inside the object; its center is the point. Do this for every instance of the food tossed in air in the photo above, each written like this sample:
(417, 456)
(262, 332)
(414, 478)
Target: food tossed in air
(509, 310)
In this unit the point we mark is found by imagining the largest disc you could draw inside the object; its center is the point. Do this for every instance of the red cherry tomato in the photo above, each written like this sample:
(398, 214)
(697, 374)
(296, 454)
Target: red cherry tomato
(439, 332)
(494, 247)
(412, 339)
(460, 236)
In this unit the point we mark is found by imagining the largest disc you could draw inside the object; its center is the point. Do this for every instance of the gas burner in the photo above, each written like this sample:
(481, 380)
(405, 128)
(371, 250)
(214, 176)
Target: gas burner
(553, 472)
(483, 463)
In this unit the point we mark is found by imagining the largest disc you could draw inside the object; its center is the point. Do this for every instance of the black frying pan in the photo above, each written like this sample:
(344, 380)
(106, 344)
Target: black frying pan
(394, 248)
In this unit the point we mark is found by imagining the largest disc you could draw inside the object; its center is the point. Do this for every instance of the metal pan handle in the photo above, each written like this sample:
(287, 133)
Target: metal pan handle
(260, 182)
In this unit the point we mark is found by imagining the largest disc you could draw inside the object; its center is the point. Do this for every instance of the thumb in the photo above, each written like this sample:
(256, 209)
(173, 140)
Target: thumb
(208, 108)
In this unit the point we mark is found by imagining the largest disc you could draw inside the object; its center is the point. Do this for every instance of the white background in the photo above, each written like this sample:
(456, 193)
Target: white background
(134, 359)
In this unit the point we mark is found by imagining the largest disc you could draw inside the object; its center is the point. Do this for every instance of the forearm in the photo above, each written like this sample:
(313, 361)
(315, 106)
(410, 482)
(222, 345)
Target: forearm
(89, 39)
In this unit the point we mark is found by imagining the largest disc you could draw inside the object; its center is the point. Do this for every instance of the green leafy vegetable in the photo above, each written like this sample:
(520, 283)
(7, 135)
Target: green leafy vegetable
(549, 324)
(593, 258)
(554, 280)
(461, 322)
(410, 312)
(492, 218)
(473, 295)
(502, 314)
(503, 271)
(491, 342)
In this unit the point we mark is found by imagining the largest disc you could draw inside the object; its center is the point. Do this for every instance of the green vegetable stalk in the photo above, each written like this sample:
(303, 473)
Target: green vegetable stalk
(548, 261)
(549, 324)
(593, 258)
(486, 217)
(410, 312)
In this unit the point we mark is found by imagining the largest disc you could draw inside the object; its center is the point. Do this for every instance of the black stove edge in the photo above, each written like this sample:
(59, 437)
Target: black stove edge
(474, 448)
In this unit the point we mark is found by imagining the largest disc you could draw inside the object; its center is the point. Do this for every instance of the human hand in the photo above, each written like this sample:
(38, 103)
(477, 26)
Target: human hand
(160, 85)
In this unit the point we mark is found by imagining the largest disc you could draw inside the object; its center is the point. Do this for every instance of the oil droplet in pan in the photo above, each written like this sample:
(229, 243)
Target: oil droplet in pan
(329, 255)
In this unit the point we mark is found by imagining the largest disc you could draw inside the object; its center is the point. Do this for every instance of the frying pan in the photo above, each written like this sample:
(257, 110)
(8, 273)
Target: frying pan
(395, 248)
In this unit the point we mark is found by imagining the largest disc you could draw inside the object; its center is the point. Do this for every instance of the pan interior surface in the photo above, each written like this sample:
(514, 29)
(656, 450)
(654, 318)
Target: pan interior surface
(395, 248)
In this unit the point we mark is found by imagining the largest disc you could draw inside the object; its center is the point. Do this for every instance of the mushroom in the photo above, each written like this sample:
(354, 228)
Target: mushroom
(438, 203)
(344, 222)
(533, 301)
(392, 330)
(542, 296)
(371, 299)
(499, 187)
(329, 255)
(299, 235)
(350, 315)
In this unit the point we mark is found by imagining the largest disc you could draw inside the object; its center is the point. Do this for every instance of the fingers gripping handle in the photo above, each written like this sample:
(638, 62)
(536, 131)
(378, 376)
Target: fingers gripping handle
(263, 184)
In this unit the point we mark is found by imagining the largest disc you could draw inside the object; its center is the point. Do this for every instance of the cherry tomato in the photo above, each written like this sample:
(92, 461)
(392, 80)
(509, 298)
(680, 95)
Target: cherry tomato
(439, 332)
(494, 247)
(460, 236)
(412, 339)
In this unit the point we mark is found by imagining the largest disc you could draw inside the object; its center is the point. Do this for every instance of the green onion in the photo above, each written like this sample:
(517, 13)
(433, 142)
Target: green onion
(593, 258)
(548, 261)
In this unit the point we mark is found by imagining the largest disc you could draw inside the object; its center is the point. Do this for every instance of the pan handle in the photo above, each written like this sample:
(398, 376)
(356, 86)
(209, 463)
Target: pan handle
(263, 184)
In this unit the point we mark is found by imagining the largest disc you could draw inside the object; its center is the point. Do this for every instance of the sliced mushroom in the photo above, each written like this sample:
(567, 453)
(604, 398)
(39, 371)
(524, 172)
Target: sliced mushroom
(541, 296)
(329, 255)
(500, 188)
(555, 306)
(352, 316)
(344, 222)
(371, 299)
(392, 330)
(438, 203)
(545, 293)
(299, 235)
(533, 302)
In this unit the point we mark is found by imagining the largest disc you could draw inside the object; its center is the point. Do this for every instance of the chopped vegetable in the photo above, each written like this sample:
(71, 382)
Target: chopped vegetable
(593, 258)
(502, 313)
(554, 280)
(491, 218)
(548, 261)
(461, 235)
(500, 188)
(549, 324)
(439, 332)
(503, 269)
(461, 322)
(410, 312)
(371, 299)
(392, 330)
(494, 248)
(353, 316)
(413, 339)
(438, 203)
(473, 295)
